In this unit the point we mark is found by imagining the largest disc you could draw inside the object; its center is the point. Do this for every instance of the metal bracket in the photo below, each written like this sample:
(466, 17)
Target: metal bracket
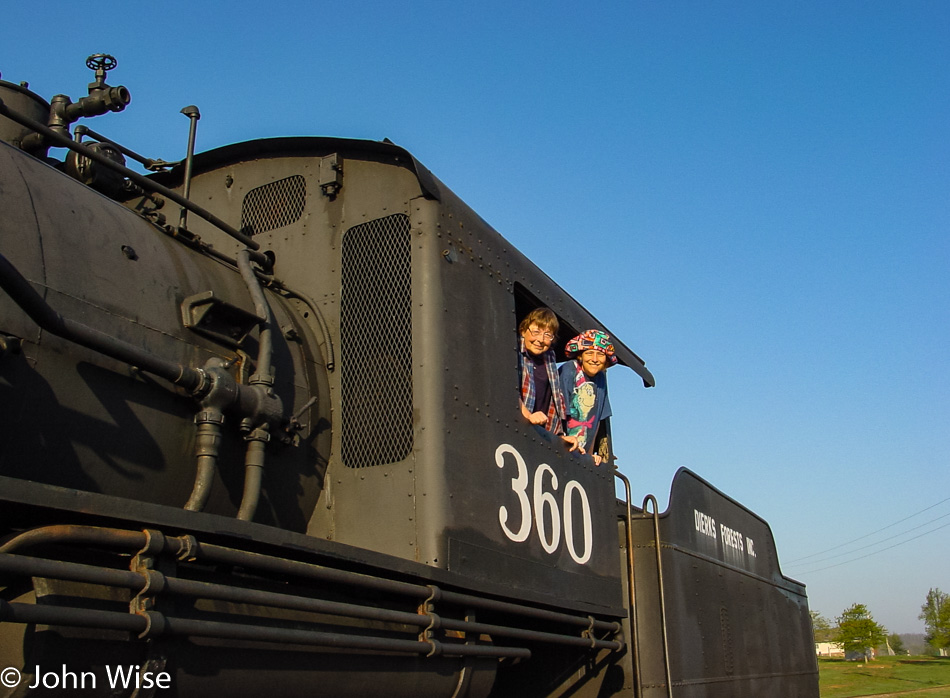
(215, 318)
(427, 608)
(143, 563)
(331, 175)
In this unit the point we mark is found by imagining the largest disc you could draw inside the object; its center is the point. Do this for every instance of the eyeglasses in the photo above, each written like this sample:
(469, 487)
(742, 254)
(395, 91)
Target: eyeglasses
(535, 333)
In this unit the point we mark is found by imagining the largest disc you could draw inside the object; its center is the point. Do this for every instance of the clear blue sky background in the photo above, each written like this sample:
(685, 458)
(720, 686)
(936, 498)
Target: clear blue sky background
(752, 195)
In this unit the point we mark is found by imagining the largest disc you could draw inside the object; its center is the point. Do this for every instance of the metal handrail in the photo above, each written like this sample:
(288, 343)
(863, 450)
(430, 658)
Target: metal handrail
(659, 571)
(634, 641)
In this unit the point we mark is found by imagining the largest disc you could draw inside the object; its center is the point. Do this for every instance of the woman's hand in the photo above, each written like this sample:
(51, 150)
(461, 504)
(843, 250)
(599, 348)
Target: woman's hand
(539, 419)
(574, 444)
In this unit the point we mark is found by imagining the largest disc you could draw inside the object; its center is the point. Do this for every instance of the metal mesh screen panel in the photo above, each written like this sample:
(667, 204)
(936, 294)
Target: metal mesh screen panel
(376, 347)
(273, 205)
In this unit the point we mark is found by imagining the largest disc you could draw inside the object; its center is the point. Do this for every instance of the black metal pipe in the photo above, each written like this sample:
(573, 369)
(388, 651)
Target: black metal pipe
(525, 634)
(23, 293)
(222, 592)
(71, 533)
(235, 631)
(207, 446)
(214, 553)
(148, 163)
(144, 182)
(263, 370)
(253, 474)
(56, 569)
(73, 617)
(71, 571)
(110, 620)
(528, 611)
(229, 556)
(218, 554)
(317, 315)
(263, 376)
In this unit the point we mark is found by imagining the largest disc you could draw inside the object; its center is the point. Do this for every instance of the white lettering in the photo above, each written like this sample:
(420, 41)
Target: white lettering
(64, 679)
(519, 485)
(125, 676)
(705, 524)
(542, 499)
(732, 538)
(119, 677)
(546, 508)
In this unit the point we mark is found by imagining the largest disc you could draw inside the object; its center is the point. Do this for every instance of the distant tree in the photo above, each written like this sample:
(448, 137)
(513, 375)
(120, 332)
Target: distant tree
(935, 613)
(858, 632)
(821, 627)
(896, 644)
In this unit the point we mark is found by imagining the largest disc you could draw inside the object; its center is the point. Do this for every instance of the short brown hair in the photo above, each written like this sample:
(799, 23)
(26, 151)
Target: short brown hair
(544, 318)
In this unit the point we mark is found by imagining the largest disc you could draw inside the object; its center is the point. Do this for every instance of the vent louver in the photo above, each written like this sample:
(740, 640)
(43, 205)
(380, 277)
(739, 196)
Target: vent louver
(376, 346)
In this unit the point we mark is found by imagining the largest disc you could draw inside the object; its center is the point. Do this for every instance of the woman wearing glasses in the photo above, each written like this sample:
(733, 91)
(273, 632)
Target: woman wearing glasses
(542, 402)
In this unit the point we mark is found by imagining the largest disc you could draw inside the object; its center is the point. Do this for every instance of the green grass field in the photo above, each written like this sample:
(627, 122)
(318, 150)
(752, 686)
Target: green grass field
(926, 677)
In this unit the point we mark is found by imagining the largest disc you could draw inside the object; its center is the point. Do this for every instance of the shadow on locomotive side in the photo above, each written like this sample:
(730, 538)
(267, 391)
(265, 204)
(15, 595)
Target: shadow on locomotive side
(259, 433)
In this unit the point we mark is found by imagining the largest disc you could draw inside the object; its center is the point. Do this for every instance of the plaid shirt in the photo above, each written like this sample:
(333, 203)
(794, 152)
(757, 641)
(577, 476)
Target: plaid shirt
(557, 409)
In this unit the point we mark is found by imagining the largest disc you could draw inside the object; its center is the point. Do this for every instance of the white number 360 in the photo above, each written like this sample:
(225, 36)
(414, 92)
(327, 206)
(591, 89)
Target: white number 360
(545, 507)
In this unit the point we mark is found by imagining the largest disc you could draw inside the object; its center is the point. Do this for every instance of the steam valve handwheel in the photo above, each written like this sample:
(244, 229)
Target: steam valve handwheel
(101, 61)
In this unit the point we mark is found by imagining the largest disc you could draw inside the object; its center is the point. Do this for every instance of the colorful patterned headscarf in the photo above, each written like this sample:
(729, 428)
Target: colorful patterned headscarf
(591, 339)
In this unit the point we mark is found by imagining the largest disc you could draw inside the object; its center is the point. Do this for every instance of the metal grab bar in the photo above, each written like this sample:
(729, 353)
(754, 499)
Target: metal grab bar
(634, 641)
(659, 571)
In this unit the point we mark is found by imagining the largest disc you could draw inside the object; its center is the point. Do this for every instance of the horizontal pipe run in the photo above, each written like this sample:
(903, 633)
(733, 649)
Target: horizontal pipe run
(141, 180)
(218, 554)
(233, 631)
(72, 617)
(532, 635)
(70, 571)
(148, 163)
(25, 296)
(221, 592)
(72, 533)
(40, 567)
(530, 612)
(187, 587)
(110, 620)
(229, 556)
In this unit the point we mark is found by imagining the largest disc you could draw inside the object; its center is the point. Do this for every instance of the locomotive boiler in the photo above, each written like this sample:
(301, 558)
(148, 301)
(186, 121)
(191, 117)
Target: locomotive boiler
(260, 434)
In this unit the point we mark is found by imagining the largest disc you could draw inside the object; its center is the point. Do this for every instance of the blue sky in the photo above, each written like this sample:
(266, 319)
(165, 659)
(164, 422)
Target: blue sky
(753, 196)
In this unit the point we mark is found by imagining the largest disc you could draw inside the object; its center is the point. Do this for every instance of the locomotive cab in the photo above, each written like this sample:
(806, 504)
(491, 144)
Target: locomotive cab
(420, 300)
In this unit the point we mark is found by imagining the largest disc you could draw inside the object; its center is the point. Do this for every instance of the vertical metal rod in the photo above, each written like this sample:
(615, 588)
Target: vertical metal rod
(659, 570)
(193, 114)
(633, 642)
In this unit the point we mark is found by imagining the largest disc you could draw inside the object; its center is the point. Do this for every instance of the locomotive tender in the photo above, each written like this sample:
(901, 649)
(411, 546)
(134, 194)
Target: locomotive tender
(260, 433)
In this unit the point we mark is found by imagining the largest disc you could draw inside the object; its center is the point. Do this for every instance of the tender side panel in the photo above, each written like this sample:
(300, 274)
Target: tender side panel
(734, 625)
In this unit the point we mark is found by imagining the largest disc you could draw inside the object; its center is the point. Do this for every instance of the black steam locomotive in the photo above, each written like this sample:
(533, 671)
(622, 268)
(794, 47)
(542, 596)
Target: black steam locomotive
(260, 434)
